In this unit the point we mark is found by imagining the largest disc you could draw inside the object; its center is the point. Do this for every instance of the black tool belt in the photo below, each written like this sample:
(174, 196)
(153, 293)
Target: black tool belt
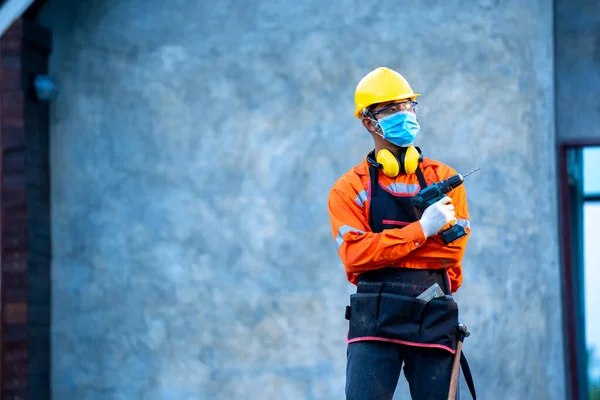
(385, 306)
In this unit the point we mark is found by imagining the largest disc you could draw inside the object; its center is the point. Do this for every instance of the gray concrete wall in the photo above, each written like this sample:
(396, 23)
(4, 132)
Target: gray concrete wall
(193, 148)
(578, 70)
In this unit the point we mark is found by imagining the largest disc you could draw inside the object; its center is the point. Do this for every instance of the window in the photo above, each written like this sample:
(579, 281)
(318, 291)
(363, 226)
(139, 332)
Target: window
(580, 215)
(591, 172)
(591, 265)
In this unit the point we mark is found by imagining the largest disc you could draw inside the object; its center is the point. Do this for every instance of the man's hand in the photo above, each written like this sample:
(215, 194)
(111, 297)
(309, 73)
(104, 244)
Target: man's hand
(437, 215)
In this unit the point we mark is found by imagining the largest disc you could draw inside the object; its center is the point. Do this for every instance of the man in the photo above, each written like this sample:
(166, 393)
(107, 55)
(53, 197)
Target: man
(393, 252)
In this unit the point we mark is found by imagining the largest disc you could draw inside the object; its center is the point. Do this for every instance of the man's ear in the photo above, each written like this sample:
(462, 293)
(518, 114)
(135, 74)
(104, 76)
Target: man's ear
(368, 124)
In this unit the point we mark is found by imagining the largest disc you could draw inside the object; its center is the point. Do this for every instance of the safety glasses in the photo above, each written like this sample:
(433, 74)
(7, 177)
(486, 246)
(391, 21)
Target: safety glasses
(406, 106)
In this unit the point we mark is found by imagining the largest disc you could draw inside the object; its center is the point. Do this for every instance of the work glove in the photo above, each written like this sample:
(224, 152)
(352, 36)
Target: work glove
(437, 215)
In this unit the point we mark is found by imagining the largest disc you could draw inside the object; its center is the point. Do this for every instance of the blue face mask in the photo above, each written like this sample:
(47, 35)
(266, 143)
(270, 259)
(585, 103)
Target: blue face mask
(400, 129)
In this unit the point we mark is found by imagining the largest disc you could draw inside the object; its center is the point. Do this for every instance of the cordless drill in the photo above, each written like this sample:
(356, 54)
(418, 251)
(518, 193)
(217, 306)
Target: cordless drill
(434, 193)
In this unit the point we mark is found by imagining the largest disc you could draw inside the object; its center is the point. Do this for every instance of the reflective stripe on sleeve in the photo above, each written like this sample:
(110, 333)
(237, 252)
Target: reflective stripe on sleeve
(342, 231)
(465, 223)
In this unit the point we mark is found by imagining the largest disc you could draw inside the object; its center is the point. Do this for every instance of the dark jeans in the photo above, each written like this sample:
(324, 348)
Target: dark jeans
(373, 370)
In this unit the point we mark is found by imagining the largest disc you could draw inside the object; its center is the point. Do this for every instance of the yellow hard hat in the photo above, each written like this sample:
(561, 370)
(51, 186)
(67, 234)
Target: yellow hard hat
(379, 86)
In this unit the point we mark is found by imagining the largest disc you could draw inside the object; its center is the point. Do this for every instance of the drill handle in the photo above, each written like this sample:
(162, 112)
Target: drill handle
(420, 203)
(427, 196)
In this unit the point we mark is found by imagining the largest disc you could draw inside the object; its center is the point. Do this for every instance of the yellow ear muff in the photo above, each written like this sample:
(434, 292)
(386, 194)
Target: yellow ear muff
(391, 166)
(389, 163)
(411, 159)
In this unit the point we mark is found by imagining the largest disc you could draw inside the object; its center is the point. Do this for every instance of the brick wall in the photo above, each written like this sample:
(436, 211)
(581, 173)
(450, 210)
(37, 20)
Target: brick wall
(25, 208)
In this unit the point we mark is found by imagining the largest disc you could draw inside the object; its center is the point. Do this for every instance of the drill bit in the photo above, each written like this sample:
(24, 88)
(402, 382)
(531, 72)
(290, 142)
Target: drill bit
(469, 173)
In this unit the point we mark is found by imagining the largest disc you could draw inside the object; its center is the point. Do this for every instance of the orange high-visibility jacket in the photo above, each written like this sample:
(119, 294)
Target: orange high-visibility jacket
(361, 250)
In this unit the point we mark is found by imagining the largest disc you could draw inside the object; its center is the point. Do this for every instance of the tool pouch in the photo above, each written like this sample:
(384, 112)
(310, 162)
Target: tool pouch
(378, 311)
(438, 325)
(364, 309)
(399, 317)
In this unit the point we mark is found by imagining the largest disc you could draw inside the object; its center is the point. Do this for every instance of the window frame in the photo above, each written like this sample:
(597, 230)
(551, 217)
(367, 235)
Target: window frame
(571, 203)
